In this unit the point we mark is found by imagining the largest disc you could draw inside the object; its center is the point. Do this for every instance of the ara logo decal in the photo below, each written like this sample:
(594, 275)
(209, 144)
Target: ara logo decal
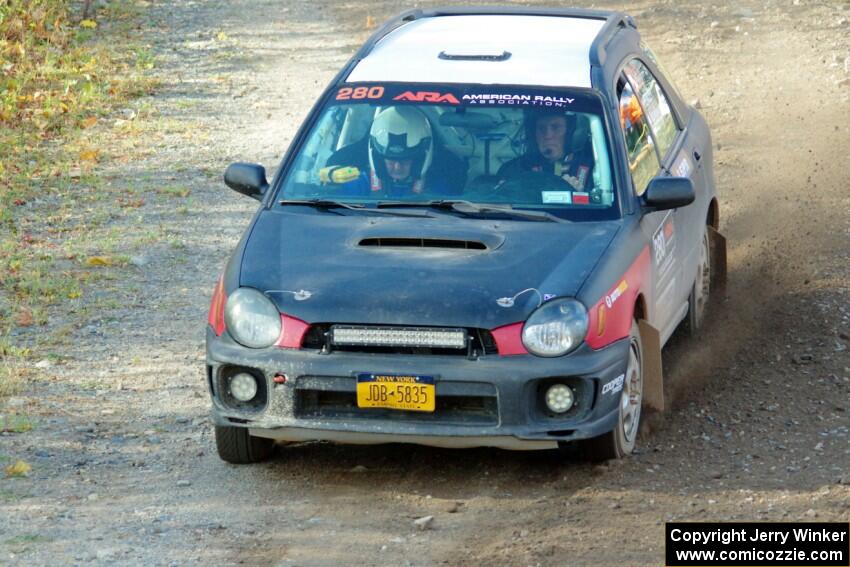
(614, 385)
(426, 96)
(612, 297)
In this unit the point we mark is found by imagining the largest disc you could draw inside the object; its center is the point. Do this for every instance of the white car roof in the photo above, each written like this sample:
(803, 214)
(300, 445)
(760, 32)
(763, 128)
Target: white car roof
(545, 50)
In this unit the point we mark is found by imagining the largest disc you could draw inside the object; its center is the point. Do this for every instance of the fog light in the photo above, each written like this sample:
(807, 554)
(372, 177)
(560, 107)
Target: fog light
(559, 398)
(243, 387)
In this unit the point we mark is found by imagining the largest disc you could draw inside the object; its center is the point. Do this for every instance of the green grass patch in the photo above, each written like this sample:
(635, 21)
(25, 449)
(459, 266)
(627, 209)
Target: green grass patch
(11, 378)
(26, 539)
(181, 192)
(63, 81)
(8, 495)
(16, 424)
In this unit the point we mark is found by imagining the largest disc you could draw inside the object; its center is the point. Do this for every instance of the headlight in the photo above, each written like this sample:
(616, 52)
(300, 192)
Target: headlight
(251, 318)
(555, 328)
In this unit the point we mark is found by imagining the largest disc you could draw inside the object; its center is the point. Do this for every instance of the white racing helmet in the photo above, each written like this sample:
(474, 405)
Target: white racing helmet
(397, 133)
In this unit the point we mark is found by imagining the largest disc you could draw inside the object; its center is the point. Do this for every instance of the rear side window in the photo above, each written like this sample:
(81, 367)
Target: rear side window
(650, 54)
(655, 105)
(643, 160)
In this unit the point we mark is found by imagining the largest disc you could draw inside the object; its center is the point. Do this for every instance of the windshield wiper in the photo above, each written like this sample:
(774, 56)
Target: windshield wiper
(469, 208)
(331, 204)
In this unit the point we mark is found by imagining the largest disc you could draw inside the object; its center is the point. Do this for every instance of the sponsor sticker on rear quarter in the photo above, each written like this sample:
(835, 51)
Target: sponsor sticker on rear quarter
(562, 197)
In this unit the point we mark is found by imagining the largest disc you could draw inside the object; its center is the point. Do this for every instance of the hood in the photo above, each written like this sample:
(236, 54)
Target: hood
(372, 269)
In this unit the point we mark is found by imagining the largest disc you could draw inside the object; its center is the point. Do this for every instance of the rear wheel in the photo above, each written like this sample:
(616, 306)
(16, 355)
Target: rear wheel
(620, 442)
(236, 445)
(698, 299)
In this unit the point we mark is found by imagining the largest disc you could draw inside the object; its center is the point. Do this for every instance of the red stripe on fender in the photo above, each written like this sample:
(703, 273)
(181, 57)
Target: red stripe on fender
(291, 332)
(619, 303)
(509, 339)
(216, 315)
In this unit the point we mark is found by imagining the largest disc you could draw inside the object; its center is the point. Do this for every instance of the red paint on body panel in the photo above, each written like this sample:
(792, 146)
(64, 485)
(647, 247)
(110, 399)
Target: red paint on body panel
(509, 339)
(291, 332)
(619, 304)
(215, 318)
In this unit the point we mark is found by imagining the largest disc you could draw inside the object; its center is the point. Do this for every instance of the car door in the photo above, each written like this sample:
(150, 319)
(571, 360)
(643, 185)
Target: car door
(644, 164)
(673, 241)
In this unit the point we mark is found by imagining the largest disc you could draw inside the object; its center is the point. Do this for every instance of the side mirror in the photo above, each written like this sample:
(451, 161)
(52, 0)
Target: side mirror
(665, 193)
(247, 178)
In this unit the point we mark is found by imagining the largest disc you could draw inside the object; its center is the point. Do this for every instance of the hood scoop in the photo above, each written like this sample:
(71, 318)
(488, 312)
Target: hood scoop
(430, 243)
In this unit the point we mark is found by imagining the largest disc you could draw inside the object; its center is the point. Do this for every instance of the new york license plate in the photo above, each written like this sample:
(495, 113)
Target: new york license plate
(396, 391)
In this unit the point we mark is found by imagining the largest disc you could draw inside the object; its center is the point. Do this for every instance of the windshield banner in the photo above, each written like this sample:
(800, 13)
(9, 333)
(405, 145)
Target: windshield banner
(465, 95)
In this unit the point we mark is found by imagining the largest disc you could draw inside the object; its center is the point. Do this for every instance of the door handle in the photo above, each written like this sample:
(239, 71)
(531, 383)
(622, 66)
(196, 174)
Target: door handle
(697, 155)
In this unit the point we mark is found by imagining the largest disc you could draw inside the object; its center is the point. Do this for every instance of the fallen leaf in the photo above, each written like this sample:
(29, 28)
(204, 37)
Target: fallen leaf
(74, 295)
(88, 24)
(99, 261)
(131, 203)
(18, 202)
(221, 36)
(370, 22)
(24, 318)
(20, 468)
(88, 122)
(89, 155)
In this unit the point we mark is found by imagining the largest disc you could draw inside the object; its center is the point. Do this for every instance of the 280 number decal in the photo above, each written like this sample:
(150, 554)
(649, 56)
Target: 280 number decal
(359, 93)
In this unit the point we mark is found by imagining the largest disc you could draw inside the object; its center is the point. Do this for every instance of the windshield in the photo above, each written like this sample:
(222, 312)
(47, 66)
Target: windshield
(522, 147)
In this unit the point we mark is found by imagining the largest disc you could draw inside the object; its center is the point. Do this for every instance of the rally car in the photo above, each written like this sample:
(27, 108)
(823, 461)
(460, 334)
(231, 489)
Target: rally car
(482, 235)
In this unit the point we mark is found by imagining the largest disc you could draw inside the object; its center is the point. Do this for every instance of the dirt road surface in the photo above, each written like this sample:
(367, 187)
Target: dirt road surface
(124, 463)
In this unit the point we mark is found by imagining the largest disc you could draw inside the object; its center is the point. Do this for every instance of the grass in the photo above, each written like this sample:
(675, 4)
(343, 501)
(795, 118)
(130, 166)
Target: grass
(11, 379)
(8, 495)
(16, 424)
(22, 541)
(63, 83)
(181, 192)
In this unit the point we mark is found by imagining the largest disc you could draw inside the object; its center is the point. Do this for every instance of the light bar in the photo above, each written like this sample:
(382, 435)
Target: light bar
(348, 335)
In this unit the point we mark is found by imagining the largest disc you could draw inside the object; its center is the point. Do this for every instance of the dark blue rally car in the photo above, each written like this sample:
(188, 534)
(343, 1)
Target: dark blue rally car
(483, 234)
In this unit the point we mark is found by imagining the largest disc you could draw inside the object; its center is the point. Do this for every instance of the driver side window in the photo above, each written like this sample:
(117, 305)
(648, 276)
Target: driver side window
(643, 159)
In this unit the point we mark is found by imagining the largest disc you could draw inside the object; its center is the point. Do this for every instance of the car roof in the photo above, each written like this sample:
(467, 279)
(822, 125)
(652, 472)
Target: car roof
(547, 48)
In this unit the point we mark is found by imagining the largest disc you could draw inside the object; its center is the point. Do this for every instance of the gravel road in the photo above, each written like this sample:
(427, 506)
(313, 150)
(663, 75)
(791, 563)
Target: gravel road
(124, 464)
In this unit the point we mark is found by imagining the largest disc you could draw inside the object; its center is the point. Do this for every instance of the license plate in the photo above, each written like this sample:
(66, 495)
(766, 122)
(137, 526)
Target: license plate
(396, 391)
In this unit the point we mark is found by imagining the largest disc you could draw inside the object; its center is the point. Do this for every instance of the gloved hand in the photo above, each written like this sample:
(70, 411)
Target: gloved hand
(338, 174)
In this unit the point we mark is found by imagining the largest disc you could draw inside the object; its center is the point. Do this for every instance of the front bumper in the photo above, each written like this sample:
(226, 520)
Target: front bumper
(491, 400)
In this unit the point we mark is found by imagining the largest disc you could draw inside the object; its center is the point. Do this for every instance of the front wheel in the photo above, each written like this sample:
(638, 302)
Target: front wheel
(236, 445)
(620, 442)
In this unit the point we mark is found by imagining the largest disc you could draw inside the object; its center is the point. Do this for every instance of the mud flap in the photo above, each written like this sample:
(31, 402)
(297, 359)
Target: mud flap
(718, 256)
(653, 379)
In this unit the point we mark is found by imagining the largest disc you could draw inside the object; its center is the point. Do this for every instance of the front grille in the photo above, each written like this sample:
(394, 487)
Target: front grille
(479, 342)
(415, 337)
(335, 397)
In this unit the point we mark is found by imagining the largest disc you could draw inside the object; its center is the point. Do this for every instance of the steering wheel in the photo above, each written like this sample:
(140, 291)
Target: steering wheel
(523, 187)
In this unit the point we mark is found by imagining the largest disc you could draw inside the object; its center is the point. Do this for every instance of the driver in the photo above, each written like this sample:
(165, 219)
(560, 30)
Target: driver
(399, 154)
(400, 151)
(551, 131)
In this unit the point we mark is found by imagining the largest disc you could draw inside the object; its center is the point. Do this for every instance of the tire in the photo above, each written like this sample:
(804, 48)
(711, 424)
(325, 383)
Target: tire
(235, 445)
(701, 289)
(620, 441)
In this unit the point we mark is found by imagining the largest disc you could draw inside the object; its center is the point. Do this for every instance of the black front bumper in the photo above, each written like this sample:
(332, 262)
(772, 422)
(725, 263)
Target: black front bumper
(489, 397)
